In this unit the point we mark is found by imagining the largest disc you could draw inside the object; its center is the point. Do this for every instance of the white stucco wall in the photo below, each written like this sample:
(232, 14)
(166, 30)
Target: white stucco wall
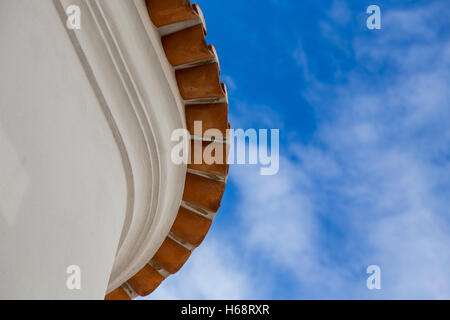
(86, 118)
(62, 185)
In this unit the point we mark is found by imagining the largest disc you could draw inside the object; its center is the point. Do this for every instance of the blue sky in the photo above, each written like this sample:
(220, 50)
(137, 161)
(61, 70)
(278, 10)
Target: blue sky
(364, 153)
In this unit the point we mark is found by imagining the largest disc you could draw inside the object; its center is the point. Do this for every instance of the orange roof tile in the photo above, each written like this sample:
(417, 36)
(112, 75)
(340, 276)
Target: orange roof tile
(167, 12)
(188, 47)
(213, 116)
(118, 294)
(191, 226)
(146, 280)
(200, 83)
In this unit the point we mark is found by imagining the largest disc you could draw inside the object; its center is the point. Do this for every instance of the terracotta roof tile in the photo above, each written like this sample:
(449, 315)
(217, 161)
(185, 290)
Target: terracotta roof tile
(188, 47)
(203, 192)
(118, 294)
(216, 171)
(202, 82)
(171, 256)
(213, 116)
(167, 12)
(191, 226)
(146, 281)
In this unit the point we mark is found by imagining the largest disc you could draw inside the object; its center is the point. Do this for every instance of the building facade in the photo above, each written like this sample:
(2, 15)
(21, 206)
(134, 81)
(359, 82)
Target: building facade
(88, 187)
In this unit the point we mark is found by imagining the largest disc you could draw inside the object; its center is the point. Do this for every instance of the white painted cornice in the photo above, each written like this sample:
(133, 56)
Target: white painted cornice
(121, 53)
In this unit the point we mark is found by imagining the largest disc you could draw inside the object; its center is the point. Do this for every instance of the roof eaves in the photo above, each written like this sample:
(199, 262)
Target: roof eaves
(196, 67)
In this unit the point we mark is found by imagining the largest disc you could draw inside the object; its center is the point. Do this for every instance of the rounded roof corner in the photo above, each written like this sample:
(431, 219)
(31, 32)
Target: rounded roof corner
(195, 64)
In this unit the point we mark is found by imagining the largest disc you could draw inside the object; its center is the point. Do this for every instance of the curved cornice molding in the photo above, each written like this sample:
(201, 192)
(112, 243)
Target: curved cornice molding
(180, 30)
(152, 72)
(125, 64)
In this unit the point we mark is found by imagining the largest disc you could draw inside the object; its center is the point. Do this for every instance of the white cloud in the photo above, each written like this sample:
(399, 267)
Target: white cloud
(377, 173)
(214, 271)
(370, 188)
(340, 13)
(389, 135)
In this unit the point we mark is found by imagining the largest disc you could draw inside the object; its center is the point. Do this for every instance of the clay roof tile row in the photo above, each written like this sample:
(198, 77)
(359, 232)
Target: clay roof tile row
(197, 71)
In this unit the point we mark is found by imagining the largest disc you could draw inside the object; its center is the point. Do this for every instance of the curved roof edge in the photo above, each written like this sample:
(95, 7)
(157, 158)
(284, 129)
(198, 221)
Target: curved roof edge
(197, 71)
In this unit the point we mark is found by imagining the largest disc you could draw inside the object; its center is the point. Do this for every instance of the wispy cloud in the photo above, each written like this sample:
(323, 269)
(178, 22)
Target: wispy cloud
(370, 187)
(387, 135)
(214, 271)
